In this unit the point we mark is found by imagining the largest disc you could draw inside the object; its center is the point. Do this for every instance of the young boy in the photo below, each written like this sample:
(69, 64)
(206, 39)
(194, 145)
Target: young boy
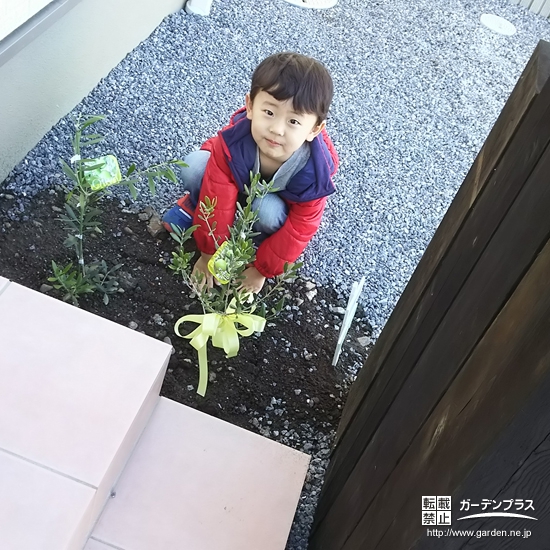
(281, 134)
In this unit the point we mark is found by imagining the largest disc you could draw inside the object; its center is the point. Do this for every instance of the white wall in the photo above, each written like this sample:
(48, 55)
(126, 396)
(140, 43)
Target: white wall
(45, 80)
(13, 13)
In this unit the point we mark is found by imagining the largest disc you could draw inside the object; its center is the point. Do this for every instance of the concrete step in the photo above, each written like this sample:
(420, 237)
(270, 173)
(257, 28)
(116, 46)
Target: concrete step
(195, 482)
(76, 391)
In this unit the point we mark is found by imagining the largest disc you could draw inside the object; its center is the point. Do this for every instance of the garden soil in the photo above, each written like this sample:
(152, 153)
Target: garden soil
(280, 380)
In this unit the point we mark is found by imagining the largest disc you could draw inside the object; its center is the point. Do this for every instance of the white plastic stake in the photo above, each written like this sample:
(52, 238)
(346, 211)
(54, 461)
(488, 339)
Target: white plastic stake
(356, 289)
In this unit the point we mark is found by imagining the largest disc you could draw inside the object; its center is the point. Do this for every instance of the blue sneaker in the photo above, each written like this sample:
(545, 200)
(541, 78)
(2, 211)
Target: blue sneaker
(180, 215)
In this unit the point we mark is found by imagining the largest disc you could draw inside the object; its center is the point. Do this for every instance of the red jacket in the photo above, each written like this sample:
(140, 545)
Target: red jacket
(233, 153)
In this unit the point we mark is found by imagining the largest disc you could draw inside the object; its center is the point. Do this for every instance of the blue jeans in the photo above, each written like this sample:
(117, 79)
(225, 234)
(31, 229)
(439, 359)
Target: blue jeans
(272, 210)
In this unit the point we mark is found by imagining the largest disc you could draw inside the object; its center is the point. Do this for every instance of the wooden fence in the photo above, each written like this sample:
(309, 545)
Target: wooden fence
(453, 399)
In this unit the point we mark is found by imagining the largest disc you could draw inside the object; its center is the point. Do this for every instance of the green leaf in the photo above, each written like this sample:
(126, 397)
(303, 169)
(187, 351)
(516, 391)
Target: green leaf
(70, 241)
(92, 141)
(70, 212)
(188, 232)
(131, 169)
(91, 120)
(174, 235)
(151, 184)
(68, 171)
(179, 163)
(170, 174)
(132, 188)
(94, 167)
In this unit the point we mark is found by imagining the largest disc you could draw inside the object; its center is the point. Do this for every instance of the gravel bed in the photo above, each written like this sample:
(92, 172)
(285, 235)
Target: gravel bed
(418, 86)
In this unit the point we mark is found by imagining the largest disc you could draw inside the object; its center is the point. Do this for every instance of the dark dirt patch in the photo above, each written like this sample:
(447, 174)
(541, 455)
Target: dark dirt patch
(283, 375)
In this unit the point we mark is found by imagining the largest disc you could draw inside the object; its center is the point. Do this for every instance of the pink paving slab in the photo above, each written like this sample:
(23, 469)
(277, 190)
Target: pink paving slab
(40, 509)
(197, 482)
(72, 383)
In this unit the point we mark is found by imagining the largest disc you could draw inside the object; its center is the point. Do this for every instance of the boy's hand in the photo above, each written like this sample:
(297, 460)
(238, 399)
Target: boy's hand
(200, 271)
(253, 280)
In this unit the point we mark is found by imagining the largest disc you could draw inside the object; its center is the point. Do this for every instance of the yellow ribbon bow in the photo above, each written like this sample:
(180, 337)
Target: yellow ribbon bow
(222, 328)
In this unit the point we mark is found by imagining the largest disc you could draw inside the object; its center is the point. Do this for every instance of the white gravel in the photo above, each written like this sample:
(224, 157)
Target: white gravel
(418, 86)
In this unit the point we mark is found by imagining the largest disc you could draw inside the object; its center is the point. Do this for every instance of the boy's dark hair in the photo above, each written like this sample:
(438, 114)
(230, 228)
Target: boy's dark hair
(298, 77)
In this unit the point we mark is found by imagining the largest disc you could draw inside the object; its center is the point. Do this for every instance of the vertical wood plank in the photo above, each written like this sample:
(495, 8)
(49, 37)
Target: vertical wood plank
(526, 90)
(530, 482)
(512, 248)
(545, 10)
(455, 267)
(525, 3)
(497, 469)
(509, 363)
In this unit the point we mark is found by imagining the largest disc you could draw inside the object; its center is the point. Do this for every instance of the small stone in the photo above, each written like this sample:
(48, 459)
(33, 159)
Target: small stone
(266, 432)
(133, 325)
(57, 209)
(155, 226)
(128, 231)
(299, 301)
(126, 280)
(311, 294)
(364, 341)
(167, 340)
(310, 285)
(9, 197)
(297, 392)
(46, 288)
(190, 387)
(211, 376)
(147, 214)
(308, 356)
(338, 310)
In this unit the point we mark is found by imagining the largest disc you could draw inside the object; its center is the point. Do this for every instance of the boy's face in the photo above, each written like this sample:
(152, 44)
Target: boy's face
(277, 129)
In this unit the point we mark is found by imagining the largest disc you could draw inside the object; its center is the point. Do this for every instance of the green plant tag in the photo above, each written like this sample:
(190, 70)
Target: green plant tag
(107, 174)
(219, 263)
